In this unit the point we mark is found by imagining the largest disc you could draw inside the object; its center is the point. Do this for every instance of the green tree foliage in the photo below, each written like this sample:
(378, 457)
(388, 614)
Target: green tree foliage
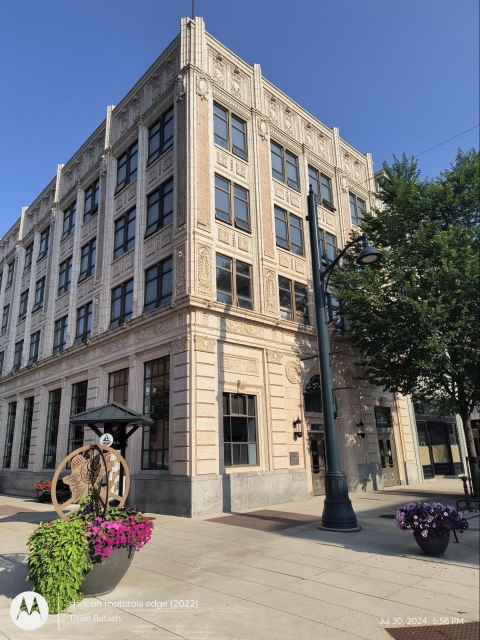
(415, 316)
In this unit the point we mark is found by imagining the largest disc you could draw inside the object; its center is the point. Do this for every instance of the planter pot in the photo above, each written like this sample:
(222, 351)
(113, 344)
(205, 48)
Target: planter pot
(44, 495)
(106, 573)
(432, 546)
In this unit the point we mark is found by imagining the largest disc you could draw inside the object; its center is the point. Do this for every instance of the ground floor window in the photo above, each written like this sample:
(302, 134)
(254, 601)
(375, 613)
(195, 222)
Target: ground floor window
(239, 430)
(7, 454)
(26, 433)
(156, 405)
(78, 405)
(53, 420)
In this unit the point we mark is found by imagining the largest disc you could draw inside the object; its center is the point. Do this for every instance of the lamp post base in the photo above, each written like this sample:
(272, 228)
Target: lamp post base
(338, 514)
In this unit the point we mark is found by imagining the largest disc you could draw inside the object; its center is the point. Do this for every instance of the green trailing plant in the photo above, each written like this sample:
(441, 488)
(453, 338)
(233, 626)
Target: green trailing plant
(57, 562)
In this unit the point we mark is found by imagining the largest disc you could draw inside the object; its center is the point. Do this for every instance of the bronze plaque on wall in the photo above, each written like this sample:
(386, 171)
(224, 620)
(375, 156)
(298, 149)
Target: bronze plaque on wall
(294, 457)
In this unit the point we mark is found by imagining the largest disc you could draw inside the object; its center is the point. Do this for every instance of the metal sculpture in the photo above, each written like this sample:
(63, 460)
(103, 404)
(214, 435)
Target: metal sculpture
(95, 471)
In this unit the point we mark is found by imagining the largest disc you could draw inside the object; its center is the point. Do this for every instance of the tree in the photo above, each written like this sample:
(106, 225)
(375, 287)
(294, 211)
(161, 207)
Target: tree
(415, 315)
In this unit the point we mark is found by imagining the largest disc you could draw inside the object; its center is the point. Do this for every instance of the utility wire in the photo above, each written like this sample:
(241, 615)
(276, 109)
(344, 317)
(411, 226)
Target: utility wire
(439, 145)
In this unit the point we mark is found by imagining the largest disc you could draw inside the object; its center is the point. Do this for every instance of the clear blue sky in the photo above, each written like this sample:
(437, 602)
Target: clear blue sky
(393, 75)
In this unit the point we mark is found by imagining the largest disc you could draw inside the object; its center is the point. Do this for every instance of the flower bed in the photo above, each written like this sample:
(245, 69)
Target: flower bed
(430, 519)
(43, 484)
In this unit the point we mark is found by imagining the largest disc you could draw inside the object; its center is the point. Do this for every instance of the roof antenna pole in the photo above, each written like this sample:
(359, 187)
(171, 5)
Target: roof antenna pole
(193, 9)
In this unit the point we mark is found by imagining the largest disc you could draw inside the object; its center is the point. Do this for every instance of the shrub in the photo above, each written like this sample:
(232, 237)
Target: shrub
(58, 561)
(430, 519)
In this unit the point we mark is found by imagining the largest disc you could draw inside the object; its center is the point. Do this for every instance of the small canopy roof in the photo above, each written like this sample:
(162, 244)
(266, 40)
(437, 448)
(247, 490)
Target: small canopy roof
(111, 413)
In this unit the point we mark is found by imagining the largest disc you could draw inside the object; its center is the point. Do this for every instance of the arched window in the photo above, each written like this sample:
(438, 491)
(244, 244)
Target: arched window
(313, 395)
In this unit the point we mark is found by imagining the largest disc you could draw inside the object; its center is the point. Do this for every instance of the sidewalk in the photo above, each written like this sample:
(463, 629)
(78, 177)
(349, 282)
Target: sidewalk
(265, 583)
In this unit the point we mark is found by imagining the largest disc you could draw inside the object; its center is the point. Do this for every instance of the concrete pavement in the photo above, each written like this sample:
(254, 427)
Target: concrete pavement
(203, 580)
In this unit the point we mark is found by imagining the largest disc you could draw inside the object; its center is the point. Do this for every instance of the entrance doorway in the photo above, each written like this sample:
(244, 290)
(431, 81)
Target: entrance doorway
(386, 446)
(317, 456)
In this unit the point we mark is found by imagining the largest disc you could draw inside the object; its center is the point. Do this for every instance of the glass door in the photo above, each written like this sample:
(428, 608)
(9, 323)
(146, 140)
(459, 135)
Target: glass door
(424, 450)
(317, 454)
(440, 446)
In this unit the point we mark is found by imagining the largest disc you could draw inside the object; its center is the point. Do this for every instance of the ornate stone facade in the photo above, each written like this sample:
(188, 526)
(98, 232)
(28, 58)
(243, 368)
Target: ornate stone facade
(212, 348)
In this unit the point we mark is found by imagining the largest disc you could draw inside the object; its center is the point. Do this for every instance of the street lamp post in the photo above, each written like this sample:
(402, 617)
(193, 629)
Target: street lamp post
(338, 513)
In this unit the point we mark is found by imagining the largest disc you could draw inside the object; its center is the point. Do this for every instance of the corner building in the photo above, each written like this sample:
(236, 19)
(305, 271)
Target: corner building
(166, 267)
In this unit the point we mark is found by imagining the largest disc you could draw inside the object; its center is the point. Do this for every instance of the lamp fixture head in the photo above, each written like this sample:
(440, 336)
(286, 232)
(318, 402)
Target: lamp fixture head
(297, 430)
(368, 254)
(361, 429)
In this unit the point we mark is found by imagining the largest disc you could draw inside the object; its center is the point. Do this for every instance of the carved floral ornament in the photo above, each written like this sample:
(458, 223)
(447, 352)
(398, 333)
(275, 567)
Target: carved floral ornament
(204, 269)
(203, 87)
(203, 343)
(292, 371)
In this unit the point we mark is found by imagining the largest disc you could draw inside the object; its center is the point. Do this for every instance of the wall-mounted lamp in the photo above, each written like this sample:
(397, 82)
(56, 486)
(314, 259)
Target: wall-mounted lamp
(361, 429)
(297, 429)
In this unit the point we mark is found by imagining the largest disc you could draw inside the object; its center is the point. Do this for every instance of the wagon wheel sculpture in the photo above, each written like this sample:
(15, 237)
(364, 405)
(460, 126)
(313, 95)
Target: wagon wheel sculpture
(90, 465)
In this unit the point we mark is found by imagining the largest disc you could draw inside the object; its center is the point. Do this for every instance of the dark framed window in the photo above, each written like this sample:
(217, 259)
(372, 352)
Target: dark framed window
(232, 199)
(229, 131)
(78, 404)
(84, 323)
(65, 276)
(158, 285)
(329, 245)
(312, 396)
(322, 187)
(69, 217)
(124, 234)
(44, 242)
(293, 301)
(87, 260)
(7, 453)
(333, 314)
(383, 417)
(118, 387)
(160, 136)
(6, 314)
(127, 167)
(159, 208)
(239, 430)
(156, 405)
(39, 294)
(91, 200)
(51, 436)
(34, 346)
(11, 269)
(357, 209)
(234, 282)
(17, 357)
(1, 279)
(28, 258)
(121, 308)
(26, 433)
(284, 165)
(60, 334)
(22, 309)
(2, 359)
(288, 231)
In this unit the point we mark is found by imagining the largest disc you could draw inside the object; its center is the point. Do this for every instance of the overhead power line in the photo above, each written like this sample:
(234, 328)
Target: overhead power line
(453, 138)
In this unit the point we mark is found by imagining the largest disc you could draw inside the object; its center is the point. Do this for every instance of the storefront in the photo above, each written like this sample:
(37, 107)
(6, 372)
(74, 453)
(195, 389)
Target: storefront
(438, 442)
